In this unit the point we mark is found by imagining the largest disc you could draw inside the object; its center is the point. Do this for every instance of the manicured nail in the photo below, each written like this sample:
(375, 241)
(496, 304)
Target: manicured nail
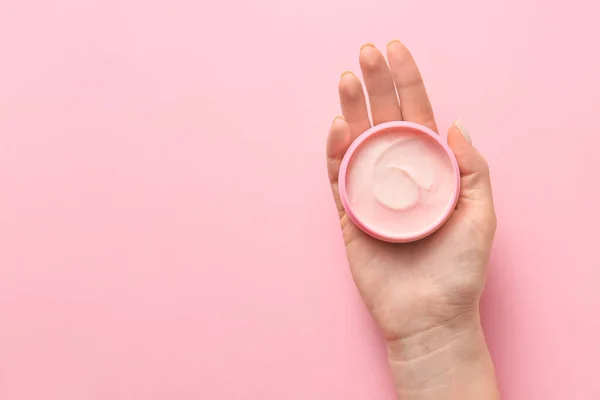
(346, 73)
(463, 129)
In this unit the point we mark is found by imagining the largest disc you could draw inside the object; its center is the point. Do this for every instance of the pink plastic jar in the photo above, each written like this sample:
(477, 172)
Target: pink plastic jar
(399, 182)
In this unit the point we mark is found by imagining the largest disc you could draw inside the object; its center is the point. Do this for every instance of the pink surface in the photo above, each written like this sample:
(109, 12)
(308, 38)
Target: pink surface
(166, 227)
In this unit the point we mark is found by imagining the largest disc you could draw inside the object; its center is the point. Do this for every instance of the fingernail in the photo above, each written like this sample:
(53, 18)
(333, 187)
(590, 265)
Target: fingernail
(463, 129)
(394, 41)
(367, 45)
(336, 118)
(346, 73)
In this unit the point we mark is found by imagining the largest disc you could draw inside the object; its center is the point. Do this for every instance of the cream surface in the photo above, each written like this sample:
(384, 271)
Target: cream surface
(399, 183)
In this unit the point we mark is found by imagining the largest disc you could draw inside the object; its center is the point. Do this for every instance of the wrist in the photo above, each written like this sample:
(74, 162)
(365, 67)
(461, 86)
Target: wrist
(449, 361)
(433, 339)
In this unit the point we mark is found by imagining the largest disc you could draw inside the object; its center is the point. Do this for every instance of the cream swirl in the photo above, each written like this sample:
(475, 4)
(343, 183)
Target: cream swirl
(400, 182)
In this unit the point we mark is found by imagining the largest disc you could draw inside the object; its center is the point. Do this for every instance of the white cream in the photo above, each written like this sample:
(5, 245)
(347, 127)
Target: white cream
(400, 182)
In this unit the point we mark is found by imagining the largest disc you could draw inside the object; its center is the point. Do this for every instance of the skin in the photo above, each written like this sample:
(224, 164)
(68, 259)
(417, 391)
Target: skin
(423, 295)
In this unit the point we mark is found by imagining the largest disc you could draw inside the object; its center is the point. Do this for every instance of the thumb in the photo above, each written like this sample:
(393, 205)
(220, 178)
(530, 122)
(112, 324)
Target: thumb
(474, 171)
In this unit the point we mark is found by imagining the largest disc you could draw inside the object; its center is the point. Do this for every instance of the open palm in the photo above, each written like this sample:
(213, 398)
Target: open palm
(412, 287)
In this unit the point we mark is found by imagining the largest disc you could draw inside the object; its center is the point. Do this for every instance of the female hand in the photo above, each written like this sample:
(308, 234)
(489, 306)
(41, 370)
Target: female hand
(424, 295)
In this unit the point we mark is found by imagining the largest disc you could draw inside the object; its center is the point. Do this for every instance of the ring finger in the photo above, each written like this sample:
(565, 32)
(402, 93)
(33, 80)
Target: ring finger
(380, 86)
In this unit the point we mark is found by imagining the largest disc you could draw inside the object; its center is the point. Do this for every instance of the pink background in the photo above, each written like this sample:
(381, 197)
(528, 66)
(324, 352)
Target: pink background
(166, 227)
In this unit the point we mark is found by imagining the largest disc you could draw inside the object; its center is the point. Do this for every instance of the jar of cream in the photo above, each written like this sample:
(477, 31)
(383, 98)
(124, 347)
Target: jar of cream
(399, 182)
